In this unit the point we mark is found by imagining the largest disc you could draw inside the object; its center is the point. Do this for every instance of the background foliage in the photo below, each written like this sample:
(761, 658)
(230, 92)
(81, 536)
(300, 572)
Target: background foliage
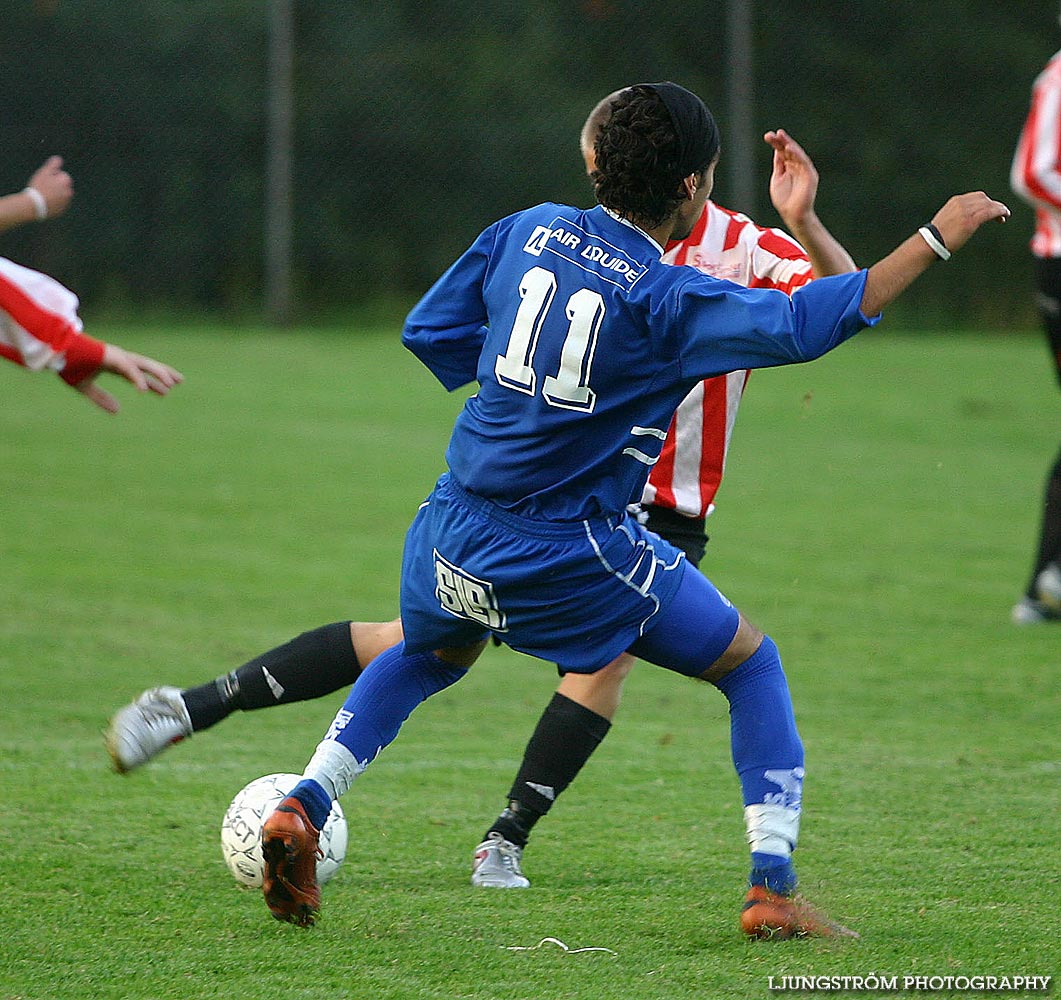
(419, 123)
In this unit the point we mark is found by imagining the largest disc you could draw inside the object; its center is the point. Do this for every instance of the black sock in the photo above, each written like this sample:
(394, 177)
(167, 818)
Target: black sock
(1050, 532)
(311, 665)
(564, 739)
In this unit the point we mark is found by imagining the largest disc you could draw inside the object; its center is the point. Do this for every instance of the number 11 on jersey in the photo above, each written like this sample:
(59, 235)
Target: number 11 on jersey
(569, 388)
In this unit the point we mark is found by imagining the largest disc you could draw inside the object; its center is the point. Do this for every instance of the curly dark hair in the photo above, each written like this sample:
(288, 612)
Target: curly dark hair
(637, 151)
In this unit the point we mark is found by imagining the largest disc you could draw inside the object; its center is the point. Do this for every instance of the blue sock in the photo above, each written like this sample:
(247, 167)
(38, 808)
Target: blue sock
(767, 751)
(382, 698)
(776, 874)
(315, 800)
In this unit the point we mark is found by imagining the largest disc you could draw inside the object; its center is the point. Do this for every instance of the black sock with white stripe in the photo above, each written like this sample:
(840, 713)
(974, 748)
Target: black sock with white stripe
(564, 739)
(311, 665)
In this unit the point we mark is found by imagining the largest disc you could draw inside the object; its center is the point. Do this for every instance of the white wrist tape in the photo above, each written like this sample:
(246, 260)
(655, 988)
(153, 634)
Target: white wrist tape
(40, 206)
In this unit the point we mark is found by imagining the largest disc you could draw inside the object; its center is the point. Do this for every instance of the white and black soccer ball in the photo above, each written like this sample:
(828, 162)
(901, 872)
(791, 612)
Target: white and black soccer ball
(241, 830)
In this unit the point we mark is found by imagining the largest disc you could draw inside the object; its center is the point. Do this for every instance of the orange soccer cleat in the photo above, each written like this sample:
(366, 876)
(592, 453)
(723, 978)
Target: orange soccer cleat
(290, 848)
(768, 916)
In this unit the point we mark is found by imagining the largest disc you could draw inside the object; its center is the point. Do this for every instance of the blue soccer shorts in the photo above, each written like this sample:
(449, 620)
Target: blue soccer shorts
(576, 594)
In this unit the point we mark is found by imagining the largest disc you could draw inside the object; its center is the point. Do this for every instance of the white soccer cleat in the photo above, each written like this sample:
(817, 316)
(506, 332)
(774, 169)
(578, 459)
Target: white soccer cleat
(1048, 587)
(496, 864)
(1029, 612)
(157, 719)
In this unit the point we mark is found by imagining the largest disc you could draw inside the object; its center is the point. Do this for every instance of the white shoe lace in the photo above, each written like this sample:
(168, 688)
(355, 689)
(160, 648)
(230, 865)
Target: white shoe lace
(510, 856)
(498, 851)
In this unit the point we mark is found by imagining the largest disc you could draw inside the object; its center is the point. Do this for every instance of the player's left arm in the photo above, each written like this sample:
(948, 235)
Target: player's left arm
(954, 224)
(793, 190)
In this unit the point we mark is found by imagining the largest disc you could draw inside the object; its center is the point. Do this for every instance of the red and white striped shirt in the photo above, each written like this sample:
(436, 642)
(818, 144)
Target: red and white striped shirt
(39, 325)
(1036, 171)
(726, 245)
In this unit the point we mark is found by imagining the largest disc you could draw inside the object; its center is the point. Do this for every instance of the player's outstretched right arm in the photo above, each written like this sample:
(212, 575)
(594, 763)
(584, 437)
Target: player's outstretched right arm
(955, 223)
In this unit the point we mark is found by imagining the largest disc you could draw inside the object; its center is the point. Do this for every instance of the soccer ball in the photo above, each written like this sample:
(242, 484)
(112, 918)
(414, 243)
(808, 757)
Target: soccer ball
(241, 830)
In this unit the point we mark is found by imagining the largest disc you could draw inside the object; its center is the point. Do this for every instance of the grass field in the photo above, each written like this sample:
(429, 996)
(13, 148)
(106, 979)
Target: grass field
(878, 519)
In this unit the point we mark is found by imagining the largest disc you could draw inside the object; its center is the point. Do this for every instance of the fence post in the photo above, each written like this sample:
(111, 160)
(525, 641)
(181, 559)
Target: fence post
(278, 155)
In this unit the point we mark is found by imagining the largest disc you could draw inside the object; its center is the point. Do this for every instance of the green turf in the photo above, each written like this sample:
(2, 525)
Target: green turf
(878, 519)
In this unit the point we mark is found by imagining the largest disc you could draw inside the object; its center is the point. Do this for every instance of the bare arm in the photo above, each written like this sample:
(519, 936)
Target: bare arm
(956, 221)
(793, 188)
(54, 189)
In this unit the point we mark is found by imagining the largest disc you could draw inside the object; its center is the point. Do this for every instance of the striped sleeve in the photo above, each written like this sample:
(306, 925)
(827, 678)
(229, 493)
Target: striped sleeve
(39, 325)
(1035, 174)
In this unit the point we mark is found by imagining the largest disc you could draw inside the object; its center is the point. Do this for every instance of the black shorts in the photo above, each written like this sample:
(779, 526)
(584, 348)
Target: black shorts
(685, 533)
(1048, 282)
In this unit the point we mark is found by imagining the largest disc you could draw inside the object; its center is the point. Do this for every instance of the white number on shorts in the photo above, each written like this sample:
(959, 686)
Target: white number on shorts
(569, 387)
(466, 596)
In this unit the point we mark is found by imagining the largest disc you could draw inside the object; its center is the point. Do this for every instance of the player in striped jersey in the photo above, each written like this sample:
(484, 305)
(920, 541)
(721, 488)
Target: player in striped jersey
(1036, 177)
(726, 244)
(40, 329)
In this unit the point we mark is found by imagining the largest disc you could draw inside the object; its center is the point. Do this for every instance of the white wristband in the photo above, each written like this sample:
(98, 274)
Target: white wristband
(40, 206)
(930, 234)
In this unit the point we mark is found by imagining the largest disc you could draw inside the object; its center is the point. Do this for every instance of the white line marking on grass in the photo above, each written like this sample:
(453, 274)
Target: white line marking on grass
(560, 944)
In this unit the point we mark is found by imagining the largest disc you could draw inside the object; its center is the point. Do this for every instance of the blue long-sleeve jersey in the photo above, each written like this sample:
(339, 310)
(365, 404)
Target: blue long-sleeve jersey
(584, 343)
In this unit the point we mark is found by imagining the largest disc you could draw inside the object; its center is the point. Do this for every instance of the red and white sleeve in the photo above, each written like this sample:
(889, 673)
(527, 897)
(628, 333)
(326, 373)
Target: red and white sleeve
(1035, 174)
(39, 325)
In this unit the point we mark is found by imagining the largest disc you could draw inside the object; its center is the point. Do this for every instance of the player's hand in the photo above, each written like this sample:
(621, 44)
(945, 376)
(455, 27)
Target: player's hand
(794, 180)
(145, 373)
(55, 184)
(964, 214)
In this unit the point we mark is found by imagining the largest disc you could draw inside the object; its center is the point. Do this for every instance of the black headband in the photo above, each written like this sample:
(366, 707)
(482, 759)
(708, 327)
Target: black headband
(697, 133)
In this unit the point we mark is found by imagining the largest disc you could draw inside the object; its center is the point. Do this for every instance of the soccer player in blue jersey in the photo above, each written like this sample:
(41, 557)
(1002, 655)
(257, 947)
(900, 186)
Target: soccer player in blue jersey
(583, 343)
